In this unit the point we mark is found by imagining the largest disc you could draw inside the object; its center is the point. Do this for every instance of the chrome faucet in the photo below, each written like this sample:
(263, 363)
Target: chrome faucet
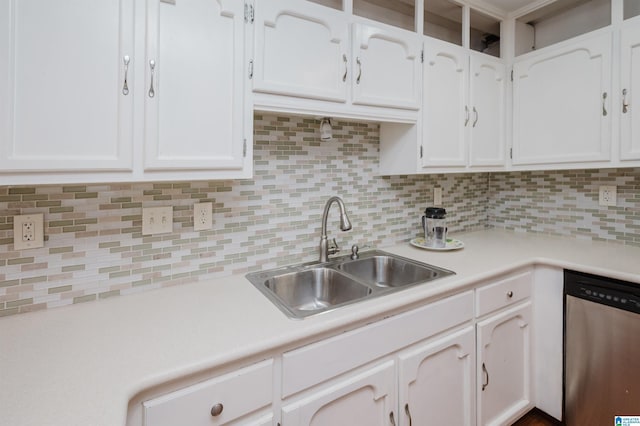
(345, 225)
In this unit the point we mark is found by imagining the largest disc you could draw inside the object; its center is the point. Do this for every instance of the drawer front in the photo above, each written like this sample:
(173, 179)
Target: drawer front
(337, 355)
(503, 293)
(238, 393)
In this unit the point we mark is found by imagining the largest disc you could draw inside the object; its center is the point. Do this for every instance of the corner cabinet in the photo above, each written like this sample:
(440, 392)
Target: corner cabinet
(463, 108)
(122, 91)
(64, 103)
(562, 103)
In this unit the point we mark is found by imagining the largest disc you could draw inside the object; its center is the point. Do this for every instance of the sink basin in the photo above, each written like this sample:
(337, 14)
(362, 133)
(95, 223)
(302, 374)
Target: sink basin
(315, 289)
(311, 288)
(390, 271)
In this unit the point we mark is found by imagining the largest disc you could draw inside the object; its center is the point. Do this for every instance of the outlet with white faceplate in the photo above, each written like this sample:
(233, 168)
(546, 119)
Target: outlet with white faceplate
(28, 231)
(157, 220)
(608, 195)
(202, 216)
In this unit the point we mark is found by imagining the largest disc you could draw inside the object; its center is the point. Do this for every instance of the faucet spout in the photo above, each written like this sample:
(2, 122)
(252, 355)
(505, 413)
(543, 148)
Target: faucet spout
(345, 225)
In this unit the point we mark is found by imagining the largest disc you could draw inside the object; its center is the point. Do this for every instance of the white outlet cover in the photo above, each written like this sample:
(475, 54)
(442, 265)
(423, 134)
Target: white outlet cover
(157, 220)
(28, 231)
(437, 196)
(608, 195)
(202, 216)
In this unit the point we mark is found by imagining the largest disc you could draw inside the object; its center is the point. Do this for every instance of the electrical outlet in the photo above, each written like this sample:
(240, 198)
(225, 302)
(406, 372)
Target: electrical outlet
(437, 197)
(608, 195)
(28, 231)
(157, 220)
(202, 216)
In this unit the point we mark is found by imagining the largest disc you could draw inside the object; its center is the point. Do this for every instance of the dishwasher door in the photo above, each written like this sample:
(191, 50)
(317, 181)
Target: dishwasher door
(602, 363)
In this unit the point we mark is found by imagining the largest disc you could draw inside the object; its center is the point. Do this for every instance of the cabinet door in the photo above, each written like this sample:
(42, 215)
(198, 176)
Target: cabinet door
(437, 382)
(630, 84)
(386, 67)
(445, 108)
(63, 102)
(487, 104)
(194, 85)
(301, 49)
(562, 104)
(367, 398)
(504, 366)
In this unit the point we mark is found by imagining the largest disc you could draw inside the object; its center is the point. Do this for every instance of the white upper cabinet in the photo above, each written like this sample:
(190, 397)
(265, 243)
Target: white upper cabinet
(387, 67)
(301, 49)
(445, 108)
(630, 92)
(562, 103)
(193, 92)
(66, 85)
(488, 79)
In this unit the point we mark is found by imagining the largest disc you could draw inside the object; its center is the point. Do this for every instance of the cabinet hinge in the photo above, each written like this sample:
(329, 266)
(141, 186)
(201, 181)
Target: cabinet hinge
(248, 13)
(244, 148)
(420, 151)
(250, 69)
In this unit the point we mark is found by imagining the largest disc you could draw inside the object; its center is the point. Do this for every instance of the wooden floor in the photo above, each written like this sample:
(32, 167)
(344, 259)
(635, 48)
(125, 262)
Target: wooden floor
(536, 417)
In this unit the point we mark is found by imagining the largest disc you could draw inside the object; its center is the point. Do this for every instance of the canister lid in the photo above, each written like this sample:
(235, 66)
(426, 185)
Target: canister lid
(435, 212)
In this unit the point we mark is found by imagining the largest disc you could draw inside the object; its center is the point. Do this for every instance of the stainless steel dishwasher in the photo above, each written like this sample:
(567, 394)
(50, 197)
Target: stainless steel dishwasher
(601, 349)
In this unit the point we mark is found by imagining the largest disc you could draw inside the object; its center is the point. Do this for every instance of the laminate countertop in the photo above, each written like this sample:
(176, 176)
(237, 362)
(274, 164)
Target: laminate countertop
(82, 364)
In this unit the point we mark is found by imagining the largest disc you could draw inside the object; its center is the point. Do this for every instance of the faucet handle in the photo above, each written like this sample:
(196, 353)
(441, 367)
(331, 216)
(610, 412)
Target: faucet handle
(333, 247)
(354, 252)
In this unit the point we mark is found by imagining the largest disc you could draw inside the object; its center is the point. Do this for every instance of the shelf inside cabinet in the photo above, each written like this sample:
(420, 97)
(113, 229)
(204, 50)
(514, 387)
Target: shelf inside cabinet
(398, 13)
(443, 21)
(631, 8)
(484, 34)
(559, 21)
(334, 4)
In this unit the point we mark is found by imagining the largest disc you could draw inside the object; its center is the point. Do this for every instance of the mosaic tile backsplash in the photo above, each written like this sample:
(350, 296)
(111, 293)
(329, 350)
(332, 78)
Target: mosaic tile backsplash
(94, 247)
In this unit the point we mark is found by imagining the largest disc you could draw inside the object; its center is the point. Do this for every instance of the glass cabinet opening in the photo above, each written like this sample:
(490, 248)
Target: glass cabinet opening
(484, 34)
(631, 8)
(399, 13)
(443, 20)
(334, 4)
(559, 21)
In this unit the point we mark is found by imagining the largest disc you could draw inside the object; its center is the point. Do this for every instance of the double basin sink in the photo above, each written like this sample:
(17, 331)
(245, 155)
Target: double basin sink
(311, 288)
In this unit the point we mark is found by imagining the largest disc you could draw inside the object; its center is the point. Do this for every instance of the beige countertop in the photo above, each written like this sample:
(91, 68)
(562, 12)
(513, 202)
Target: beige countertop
(80, 365)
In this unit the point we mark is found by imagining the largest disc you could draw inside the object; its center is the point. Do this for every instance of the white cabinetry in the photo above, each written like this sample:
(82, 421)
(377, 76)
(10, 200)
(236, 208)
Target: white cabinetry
(63, 101)
(504, 365)
(436, 381)
(303, 50)
(194, 109)
(630, 91)
(70, 72)
(562, 103)
(463, 108)
(239, 397)
(366, 398)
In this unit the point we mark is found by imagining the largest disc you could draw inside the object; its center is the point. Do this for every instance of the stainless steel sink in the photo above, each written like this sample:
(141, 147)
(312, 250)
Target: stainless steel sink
(390, 271)
(315, 289)
(311, 288)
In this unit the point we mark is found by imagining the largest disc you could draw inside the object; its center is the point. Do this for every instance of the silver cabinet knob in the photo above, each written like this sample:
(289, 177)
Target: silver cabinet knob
(216, 410)
(509, 294)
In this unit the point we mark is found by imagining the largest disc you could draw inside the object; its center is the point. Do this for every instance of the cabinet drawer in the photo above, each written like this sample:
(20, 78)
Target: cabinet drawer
(239, 393)
(342, 353)
(503, 293)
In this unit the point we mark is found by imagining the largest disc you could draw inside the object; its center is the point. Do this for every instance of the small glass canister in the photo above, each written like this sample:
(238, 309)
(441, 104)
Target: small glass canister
(434, 223)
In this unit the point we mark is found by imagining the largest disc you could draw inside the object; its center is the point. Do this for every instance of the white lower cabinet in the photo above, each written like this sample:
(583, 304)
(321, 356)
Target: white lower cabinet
(504, 366)
(436, 381)
(239, 397)
(366, 398)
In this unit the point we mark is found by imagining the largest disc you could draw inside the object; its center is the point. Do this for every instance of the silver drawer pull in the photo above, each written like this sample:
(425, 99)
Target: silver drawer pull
(604, 104)
(152, 67)
(391, 419)
(509, 294)
(625, 104)
(344, 59)
(485, 383)
(475, 121)
(125, 86)
(466, 115)
(359, 75)
(216, 410)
